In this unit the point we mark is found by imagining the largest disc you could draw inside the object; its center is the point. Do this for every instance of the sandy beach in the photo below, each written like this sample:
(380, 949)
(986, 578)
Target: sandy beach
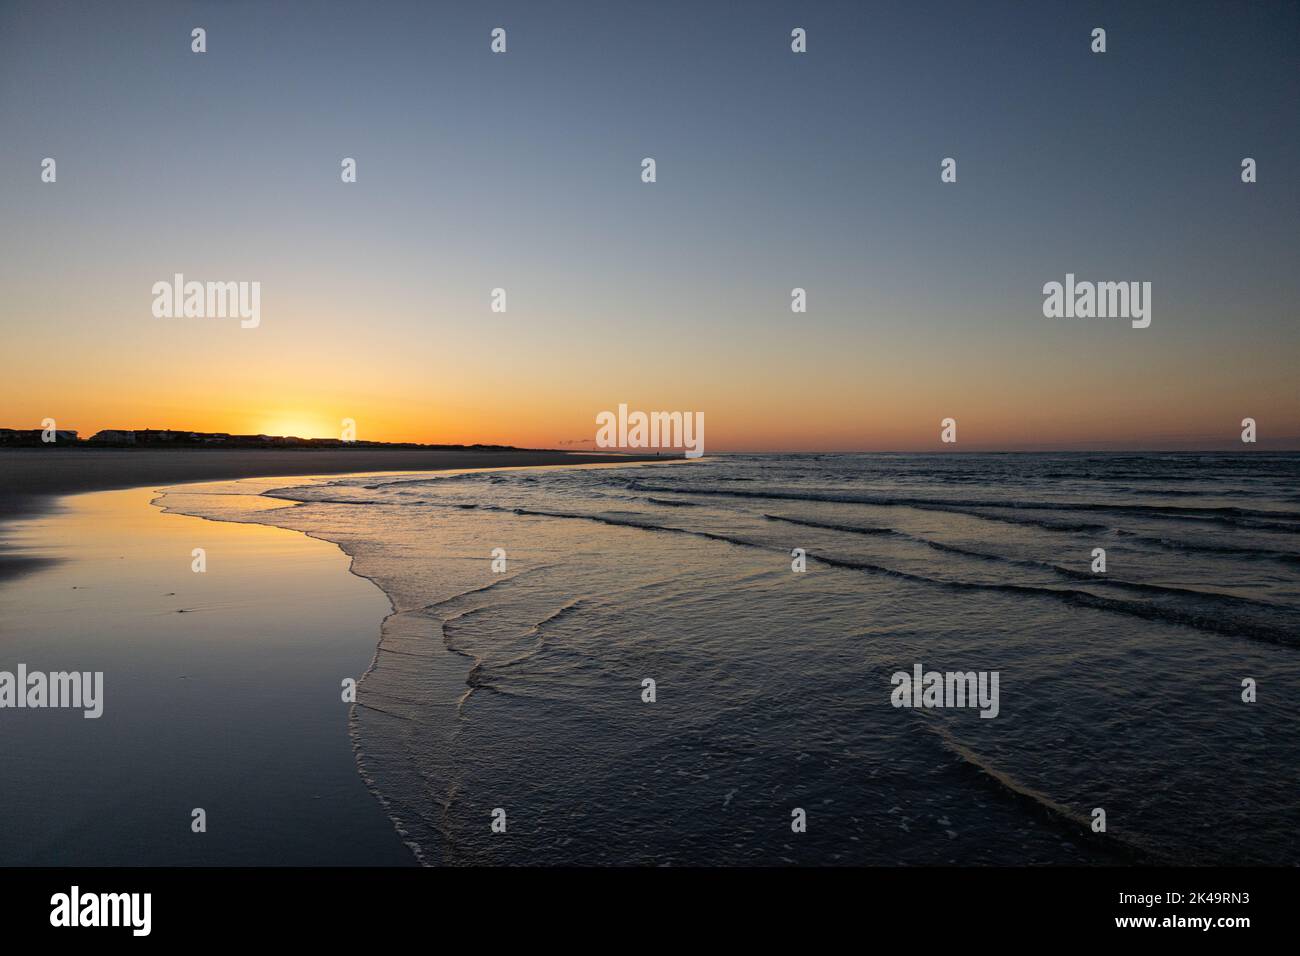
(31, 479)
(222, 689)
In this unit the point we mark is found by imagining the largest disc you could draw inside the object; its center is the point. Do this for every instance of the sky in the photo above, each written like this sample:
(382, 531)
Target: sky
(775, 170)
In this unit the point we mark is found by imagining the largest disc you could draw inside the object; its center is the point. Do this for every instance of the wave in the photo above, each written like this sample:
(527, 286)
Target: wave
(1075, 823)
(1248, 554)
(1070, 573)
(830, 526)
(1243, 517)
(482, 674)
(1209, 623)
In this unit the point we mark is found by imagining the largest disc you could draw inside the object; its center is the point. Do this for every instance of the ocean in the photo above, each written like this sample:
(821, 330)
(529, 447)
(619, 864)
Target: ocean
(506, 719)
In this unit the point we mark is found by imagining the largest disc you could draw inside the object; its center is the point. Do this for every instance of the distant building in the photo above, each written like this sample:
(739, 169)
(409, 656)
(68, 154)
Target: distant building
(152, 436)
(114, 436)
(170, 438)
(35, 436)
(148, 436)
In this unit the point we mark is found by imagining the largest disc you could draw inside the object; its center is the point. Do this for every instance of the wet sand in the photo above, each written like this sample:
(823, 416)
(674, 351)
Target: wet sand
(222, 691)
(31, 479)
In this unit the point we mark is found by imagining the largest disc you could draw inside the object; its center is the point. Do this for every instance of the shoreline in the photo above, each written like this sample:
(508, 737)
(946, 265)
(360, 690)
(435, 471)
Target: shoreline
(216, 698)
(205, 705)
(394, 625)
(106, 572)
(33, 480)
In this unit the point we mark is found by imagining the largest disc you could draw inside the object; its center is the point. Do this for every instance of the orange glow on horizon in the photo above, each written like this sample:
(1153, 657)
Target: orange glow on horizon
(785, 396)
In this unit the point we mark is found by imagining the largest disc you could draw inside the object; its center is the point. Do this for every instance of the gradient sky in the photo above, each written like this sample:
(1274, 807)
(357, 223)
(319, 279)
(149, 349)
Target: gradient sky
(775, 170)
